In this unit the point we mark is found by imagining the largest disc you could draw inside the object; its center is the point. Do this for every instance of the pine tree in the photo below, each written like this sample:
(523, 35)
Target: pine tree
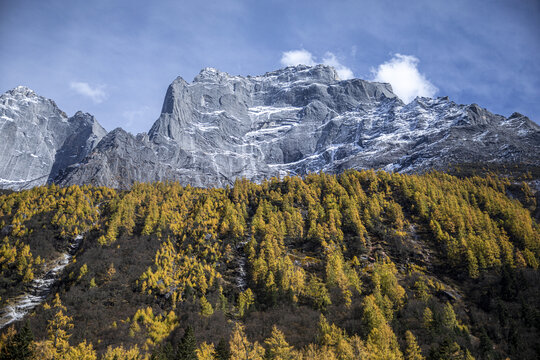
(335, 338)
(187, 346)
(17, 345)
(382, 344)
(278, 348)
(448, 317)
(372, 316)
(412, 352)
(58, 326)
(222, 350)
(206, 352)
(468, 355)
(449, 350)
(163, 352)
(119, 353)
(206, 307)
(24, 340)
(222, 303)
(241, 348)
(427, 318)
(245, 300)
(83, 351)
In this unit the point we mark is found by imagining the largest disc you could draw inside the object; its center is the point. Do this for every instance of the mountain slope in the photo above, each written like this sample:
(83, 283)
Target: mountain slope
(299, 120)
(344, 266)
(38, 140)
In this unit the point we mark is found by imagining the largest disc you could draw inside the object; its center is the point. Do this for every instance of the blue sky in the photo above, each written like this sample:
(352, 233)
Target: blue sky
(115, 59)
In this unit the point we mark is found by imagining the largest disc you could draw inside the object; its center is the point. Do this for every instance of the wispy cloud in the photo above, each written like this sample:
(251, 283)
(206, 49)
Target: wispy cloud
(96, 94)
(304, 57)
(402, 73)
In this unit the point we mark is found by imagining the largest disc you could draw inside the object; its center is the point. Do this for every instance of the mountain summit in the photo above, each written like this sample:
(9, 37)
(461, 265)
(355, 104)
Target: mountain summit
(37, 139)
(295, 120)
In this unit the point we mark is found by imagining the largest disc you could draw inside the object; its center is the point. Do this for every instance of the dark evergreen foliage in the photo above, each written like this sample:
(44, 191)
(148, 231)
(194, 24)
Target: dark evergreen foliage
(187, 346)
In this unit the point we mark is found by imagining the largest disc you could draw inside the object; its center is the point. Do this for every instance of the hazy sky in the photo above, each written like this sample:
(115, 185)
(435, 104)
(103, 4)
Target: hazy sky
(115, 59)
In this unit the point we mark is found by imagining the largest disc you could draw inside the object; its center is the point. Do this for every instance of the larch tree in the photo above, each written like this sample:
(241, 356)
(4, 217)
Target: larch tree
(241, 348)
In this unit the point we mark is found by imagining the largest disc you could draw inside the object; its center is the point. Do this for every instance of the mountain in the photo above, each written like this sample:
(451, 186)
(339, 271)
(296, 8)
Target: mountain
(363, 265)
(38, 140)
(297, 120)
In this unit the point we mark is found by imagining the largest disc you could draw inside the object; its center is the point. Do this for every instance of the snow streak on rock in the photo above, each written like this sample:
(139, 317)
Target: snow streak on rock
(296, 120)
(38, 140)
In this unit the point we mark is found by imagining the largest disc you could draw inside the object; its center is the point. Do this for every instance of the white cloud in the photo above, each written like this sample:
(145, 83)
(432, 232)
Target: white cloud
(297, 57)
(402, 73)
(344, 72)
(304, 57)
(97, 94)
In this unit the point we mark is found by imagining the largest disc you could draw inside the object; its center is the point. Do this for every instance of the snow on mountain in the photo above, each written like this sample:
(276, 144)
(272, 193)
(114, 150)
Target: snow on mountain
(37, 139)
(297, 120)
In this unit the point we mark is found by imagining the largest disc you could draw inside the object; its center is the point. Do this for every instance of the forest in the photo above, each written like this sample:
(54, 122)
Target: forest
(360, 265)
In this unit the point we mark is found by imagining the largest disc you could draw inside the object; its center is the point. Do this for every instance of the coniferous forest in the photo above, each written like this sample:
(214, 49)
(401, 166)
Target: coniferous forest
(361, 265)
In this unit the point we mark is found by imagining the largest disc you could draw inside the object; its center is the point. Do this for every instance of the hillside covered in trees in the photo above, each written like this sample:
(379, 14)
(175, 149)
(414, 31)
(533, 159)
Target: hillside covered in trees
(362, 265)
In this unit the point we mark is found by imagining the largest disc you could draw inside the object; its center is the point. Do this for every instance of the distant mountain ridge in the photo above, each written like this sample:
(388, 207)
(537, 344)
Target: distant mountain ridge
(221, 127)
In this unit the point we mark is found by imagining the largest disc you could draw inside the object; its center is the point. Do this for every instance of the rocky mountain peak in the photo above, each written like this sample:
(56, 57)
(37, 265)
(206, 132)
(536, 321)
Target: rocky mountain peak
(297, 120)
(116, 133)
(22, 91)
(38, 140)
(210, 74)
(80, 116)
(318, 74)
(294, 120)
(23, 99)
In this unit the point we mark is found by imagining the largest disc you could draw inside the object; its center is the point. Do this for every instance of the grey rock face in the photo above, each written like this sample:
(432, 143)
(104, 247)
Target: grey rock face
(298, 120)
(119, 159)
(37, 139)
(222, 127)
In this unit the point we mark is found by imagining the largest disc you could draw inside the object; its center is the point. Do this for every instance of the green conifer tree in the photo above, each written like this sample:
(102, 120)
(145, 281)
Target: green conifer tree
(223, 351)
(412, 352)
(20, 345)
(187, 346)
(163, 352)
